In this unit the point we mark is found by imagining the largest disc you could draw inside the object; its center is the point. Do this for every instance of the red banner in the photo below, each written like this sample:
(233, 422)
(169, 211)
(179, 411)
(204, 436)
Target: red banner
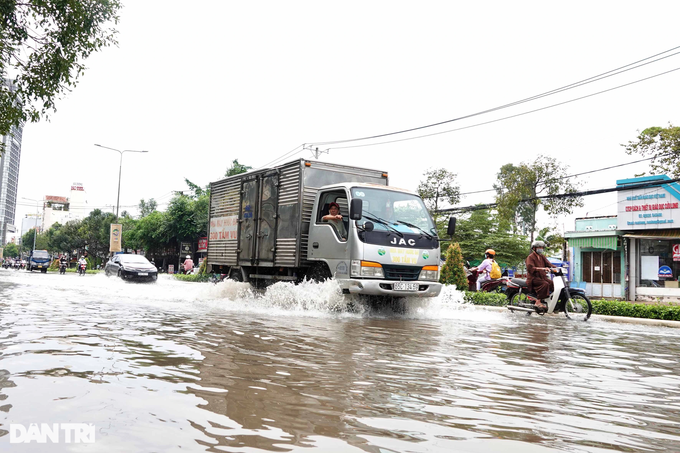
(203, 244)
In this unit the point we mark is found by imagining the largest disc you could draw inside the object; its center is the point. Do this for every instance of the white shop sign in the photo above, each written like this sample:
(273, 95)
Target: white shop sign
(651, 208)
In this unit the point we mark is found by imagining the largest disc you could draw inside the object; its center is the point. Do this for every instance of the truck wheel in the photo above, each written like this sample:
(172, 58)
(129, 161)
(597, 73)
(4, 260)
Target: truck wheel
(319, 273)
(236, 275)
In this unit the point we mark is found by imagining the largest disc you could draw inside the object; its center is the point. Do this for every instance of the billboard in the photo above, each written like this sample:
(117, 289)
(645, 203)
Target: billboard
(115, 238)
(650, 208)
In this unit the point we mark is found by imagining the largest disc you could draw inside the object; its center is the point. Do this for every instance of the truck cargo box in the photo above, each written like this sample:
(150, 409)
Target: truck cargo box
(262, 217)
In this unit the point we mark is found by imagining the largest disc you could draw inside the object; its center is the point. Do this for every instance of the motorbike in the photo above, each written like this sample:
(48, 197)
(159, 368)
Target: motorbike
(62, 268)
(498, 285)
(81, 268)
(573, 302)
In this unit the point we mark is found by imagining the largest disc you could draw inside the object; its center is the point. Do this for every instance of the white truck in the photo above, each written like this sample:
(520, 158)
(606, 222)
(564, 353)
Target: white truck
(267, 225)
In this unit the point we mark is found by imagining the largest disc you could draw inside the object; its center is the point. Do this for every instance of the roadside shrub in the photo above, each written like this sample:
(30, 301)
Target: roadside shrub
(193, 277)
(453, 272)
(484, 298)
(623, 308)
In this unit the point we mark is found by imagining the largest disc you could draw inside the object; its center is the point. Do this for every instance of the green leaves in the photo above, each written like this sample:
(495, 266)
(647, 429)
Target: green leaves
(662, 145)
(43, 44)
(518, 187)
(453, 272)
(438, 188)
(235, 169)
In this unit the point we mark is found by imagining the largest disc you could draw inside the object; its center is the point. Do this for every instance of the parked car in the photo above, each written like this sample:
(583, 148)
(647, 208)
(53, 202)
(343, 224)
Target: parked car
(39, 259)
(131, 267)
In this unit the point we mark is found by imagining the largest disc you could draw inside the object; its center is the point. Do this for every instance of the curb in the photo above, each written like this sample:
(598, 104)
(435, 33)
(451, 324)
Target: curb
(607, 318)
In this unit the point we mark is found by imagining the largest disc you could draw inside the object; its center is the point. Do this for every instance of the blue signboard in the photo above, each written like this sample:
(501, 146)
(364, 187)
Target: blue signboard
(665, 272)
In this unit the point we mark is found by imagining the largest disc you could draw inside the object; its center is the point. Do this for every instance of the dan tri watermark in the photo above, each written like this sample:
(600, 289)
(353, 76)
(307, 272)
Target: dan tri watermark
(43, 433)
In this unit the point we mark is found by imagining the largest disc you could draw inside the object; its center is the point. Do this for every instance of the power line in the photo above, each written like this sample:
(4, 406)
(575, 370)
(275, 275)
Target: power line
(592, 79)
(562, 195)
(574, 175)
(510, 116)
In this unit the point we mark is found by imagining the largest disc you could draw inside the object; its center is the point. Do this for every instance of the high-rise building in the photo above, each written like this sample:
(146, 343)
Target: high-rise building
(9, 177)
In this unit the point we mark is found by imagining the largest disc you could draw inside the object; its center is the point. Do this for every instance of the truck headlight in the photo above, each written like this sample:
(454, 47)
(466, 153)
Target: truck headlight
(367, 269)
(430, 273)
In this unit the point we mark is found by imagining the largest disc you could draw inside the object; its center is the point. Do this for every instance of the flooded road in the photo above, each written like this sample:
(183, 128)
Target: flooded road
(177, 366)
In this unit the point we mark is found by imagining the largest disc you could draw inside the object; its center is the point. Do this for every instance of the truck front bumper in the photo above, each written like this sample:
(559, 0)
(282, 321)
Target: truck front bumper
(386, 288)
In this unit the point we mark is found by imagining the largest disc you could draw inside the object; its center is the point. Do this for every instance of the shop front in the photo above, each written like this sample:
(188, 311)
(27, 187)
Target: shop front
(650, 220)
(597, 256)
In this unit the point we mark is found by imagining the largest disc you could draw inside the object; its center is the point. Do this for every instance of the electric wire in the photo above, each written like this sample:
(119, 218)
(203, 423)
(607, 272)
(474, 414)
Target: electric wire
(510, 116)
(592, 79)
(574, 175)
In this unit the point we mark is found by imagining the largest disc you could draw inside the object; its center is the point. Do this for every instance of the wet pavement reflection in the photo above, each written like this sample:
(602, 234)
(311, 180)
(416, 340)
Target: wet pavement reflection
(177, 366)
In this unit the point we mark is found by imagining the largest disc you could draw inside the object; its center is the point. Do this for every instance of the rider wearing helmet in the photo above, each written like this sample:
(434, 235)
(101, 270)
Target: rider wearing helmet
(188, 264)
(537, 281)
(484, 269)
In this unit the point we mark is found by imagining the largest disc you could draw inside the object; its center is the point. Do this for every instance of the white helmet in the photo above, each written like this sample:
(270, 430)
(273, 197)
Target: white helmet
(188, 256)
(536, 244)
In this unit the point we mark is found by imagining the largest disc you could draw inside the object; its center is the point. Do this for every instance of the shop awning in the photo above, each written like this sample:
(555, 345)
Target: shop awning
(606, 242)
(654, 234)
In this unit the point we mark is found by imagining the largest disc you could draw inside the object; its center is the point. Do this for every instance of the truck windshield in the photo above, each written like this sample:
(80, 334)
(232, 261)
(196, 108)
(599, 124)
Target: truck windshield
(394, 211)
(41, 254)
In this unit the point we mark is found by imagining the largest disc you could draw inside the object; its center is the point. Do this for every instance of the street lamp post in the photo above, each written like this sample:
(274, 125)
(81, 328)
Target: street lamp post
(35, 225)
(120, 168)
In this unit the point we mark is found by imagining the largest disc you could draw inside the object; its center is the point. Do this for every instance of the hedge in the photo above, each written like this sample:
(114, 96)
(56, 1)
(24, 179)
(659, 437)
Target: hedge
(669, 312)
(193, 277)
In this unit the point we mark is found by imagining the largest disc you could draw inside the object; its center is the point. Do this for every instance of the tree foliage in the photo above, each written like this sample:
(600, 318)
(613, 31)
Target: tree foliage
(438, 188)
(453, 272)
(147, 207)
(518, 187)
(43, 45)
(11, 250)
(662, 145)
(484, 229)
(236, 169)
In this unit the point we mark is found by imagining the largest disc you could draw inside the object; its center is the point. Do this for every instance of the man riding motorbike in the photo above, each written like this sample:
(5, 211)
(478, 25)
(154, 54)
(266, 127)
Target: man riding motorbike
(63, 264)
(537, 280)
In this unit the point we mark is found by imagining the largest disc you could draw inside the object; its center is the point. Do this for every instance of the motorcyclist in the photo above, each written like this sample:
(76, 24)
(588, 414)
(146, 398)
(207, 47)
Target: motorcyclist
(188, 264)
(537, 280)
(82, 261)
(63, 262)
(484, 269)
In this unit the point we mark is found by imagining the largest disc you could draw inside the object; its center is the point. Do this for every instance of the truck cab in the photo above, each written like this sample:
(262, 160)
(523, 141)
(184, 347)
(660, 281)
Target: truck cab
(391, 246)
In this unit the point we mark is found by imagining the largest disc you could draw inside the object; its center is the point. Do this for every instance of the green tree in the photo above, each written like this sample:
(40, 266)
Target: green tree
(11, 250)
(147, 207)
(662, 145)
(483, 229)
(95, 230)
(518, 187)
(236, 169)
(41, 241)
(453, 272)
(438, 188)
(68, 238)
(43, 45)
(150, 233)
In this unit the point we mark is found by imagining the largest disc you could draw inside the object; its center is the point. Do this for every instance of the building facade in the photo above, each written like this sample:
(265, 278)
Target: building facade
(9, 178)
(634, 255)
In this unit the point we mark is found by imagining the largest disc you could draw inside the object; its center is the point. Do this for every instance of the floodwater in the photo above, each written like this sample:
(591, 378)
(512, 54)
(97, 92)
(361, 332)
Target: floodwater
(190, 367)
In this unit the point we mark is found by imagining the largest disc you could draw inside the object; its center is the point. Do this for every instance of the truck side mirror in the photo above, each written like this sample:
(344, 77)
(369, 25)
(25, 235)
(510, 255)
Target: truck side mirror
(355, 208)
(451, 230)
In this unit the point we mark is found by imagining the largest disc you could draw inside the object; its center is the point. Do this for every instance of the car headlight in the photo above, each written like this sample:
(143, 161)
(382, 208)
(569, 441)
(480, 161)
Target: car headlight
(430, 273)
(367, 269)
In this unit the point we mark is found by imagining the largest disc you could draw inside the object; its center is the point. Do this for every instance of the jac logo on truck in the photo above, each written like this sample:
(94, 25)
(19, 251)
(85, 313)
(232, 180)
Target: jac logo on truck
(403, 241)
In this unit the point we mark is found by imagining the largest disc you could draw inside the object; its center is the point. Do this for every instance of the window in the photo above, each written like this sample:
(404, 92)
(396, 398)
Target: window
(656, 263)
(325, 199)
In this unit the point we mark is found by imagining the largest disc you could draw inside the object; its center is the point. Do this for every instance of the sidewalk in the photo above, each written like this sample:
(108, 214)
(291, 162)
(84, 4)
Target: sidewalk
(618, 319)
